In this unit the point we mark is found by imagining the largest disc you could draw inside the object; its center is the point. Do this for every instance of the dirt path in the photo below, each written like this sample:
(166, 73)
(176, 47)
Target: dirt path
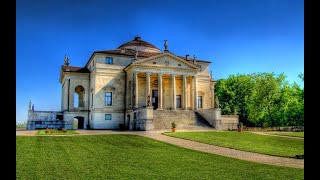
(249, 156)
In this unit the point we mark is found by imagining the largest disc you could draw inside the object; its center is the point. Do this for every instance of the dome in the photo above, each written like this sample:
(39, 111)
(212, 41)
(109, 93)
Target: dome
(140, 45)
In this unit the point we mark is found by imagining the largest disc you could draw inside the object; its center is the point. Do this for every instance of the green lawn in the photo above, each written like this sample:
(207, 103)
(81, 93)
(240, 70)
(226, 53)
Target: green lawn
(247, 141)
(130, 157)
(293, 134)
(42, 132)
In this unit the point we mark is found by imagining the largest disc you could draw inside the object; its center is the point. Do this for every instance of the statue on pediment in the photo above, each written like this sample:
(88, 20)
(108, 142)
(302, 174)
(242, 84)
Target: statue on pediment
(66, 60)
(166, 45)
(149, 101)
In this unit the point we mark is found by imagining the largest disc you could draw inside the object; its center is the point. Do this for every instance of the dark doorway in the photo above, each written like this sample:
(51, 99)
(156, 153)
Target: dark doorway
(155, 99)
(80, 122)
(178, 101)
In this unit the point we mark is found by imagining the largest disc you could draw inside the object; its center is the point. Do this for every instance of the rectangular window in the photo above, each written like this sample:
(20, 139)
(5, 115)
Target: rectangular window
(109, 60)
(199, 101)
(107, 117)
(108, 98)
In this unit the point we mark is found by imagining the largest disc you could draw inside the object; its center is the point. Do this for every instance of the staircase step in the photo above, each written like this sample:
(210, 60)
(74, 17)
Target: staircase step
(183, 118)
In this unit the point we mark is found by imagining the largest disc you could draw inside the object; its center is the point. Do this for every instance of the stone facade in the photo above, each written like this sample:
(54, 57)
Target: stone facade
(112, 89)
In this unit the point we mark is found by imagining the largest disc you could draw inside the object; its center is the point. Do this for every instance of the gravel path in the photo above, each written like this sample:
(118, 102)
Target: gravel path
(261, 133)
(248, 156)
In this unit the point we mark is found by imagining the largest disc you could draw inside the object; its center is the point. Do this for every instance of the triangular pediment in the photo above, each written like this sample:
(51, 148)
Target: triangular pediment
(166, 60)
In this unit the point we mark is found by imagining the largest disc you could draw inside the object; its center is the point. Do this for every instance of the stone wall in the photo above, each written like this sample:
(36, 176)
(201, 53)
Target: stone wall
(204, 90)
(117, 60)
(114, 83)
(218, 121)
(98, 120)
(229, 122)
(142, 119)
(44, 119)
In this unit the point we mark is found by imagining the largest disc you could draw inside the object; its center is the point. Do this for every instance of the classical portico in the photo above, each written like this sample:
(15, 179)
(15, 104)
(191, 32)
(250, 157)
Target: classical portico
(162, 89)
(170, 82)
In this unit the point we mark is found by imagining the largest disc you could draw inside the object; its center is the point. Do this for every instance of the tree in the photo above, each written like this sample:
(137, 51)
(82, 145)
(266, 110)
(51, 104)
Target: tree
(301, 76)
(262, 99)
(234, 94)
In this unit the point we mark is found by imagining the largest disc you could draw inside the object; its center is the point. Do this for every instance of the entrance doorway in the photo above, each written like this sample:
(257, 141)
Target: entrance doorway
(155, 99)
(178, 101)
(80, 122)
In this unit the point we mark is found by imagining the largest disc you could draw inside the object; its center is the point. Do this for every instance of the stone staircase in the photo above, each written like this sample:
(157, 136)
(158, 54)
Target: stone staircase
(183, 118)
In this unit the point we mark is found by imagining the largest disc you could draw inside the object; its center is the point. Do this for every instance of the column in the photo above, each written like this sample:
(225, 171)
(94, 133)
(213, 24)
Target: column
(184, 91)
(195, 91)
(135, 76)
(148, 88)
(160, 91)
(173, 80)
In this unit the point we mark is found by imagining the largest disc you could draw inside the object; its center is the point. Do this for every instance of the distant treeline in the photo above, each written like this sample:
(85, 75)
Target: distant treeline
(21, 125)
(262, 99)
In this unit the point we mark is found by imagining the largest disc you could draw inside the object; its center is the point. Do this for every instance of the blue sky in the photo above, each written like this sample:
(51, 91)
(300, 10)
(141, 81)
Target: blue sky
(237, 36)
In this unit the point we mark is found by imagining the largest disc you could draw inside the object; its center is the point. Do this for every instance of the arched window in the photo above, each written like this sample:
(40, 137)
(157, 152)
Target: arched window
(79, 97)
(76, 100)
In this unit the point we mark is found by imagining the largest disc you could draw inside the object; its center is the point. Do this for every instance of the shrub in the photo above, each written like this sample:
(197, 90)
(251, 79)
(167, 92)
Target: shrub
(173, 125)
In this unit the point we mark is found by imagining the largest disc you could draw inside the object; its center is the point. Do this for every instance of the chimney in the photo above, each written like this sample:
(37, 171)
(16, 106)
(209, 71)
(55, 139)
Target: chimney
(187, 56)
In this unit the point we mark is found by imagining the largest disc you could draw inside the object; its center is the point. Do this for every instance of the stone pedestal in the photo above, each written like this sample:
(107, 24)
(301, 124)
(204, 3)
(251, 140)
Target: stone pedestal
(217, 118)
(149, 119)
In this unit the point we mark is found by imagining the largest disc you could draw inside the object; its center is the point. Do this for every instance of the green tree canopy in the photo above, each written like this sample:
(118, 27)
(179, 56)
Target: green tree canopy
(261, 99)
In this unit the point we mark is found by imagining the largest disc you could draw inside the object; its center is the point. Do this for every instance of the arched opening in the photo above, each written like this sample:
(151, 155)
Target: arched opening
(79, 97)
(78, 122)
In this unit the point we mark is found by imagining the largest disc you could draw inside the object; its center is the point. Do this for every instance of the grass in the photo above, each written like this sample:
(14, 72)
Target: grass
(130, 157)
(292, 134)
(247, 141)
(43, 132)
